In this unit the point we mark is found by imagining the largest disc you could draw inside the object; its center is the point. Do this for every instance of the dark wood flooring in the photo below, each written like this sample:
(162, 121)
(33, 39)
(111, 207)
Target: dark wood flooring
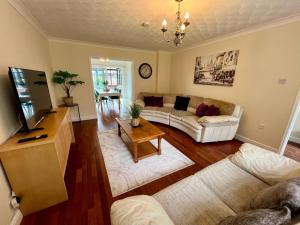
(87, 182)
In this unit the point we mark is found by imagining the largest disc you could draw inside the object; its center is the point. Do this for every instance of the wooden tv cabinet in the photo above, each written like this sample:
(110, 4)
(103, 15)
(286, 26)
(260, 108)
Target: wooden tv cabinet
(36, 169)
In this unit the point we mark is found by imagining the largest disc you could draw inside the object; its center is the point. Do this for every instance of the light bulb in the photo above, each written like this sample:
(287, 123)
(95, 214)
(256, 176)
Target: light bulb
(164, 23)
(186, 16)
(182, 28)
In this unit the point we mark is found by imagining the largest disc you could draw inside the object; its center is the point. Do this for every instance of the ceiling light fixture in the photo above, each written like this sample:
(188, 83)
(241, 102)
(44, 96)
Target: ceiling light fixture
(181, 26)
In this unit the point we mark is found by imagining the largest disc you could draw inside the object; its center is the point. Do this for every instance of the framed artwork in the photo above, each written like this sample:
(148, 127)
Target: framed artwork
(217, 69)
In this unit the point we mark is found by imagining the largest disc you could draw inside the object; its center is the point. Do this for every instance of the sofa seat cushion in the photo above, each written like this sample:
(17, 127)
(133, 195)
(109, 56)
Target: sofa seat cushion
(139, 210)
(178, 114)
(233, 185)
(157, 110)
(191, 202)
(266, 165)
(218, 119)
(192, 121)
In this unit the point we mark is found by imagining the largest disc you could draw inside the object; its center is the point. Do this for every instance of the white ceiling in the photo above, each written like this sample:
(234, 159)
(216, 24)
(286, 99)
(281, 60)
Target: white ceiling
(118, 22)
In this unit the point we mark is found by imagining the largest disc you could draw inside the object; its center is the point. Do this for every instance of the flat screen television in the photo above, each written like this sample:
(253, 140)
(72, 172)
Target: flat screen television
(32, 95)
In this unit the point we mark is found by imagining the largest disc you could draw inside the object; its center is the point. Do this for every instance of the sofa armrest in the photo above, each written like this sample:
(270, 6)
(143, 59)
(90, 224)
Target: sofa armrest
(264, 164)
(140, 103)
(141, 210)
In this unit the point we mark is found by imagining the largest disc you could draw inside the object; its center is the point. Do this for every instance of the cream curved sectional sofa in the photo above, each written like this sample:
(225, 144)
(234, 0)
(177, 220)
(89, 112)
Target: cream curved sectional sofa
(209, 129)
(223, 189)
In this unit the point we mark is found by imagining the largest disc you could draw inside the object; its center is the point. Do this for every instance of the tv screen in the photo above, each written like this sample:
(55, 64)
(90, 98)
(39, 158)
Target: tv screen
(33, 96)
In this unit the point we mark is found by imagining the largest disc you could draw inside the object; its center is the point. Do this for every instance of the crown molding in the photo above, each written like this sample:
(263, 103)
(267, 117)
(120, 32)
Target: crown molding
(96, 44)
(249, 30)
(21, 9)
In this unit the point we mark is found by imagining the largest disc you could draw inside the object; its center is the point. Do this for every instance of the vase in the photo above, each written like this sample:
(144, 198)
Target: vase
(135, 122)
(68, 101)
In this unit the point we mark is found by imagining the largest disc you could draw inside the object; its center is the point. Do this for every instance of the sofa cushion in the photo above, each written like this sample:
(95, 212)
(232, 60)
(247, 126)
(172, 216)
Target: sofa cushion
(260, 217)
(218, 119)
(285, 193)
(181, 103)
(178, 114)
(192, 121)
(191, 202)
(226, 108)
(140, 103)
(266, 165)
(148, 100)
(158, 101)
(201, 109)
(169, 99)
(233, 185)
(195, 101)
(139, 210)
(212, 110)
(157, 110)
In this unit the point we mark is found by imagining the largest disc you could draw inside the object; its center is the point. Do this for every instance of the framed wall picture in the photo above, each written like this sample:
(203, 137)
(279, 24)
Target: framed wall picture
(218, 69)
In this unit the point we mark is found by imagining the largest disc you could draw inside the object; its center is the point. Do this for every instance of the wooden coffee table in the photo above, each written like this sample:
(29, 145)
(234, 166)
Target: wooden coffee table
(138, 139)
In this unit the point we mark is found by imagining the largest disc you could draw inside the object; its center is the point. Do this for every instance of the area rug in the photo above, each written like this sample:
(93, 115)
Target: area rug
(125, 175)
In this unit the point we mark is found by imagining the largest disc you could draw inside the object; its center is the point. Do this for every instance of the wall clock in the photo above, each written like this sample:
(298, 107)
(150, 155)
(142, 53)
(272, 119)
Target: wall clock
(145, 70)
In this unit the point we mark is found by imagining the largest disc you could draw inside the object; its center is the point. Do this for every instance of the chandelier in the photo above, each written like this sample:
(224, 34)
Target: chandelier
(181, 26)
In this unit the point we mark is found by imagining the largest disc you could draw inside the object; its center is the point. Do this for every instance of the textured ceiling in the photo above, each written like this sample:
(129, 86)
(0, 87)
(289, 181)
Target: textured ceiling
(118, 22)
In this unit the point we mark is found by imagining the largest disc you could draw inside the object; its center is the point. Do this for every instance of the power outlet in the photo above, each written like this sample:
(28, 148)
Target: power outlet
(261, 126)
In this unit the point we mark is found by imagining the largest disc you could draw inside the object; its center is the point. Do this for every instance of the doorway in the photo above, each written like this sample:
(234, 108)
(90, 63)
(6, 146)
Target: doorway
(290, 145)
(112, 82)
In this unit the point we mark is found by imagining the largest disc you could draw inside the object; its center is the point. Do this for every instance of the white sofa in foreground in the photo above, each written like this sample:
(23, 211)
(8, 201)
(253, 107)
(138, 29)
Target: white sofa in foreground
(208, 129)
(207, 197)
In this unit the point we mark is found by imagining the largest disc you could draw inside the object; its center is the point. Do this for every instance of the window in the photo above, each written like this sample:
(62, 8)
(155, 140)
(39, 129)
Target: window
(111, 75)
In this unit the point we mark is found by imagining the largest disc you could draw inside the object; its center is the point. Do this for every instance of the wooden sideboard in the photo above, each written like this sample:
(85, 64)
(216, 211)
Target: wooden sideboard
(36, 169)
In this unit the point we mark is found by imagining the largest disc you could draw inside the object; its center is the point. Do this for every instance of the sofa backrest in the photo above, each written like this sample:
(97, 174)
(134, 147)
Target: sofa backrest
(226, 108)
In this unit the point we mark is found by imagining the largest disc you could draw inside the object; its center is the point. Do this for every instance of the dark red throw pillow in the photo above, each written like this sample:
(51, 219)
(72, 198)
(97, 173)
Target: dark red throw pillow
(148, 100)
(158, 101)
(154, 101)
(212, 111)
(201, 110)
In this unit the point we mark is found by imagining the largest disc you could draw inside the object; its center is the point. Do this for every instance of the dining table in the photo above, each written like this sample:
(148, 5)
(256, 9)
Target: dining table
(113, 94)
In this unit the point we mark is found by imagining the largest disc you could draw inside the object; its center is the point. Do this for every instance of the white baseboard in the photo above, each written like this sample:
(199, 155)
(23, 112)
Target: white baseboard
(17, 219)
(295, 139)
(248, 140)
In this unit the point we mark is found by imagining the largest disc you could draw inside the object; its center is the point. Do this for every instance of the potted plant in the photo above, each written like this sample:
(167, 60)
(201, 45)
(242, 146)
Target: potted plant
(105, 83)
(66, 80)
(135, 112)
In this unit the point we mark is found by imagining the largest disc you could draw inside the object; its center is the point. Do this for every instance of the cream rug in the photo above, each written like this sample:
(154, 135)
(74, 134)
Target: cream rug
(125, 175)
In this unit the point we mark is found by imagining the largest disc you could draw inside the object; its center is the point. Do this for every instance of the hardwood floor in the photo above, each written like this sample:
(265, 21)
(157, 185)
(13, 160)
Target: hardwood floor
(87, 182)
(293, 151)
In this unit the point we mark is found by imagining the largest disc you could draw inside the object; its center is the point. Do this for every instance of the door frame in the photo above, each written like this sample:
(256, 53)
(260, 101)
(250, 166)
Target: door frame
(291, 124)
(112, 59)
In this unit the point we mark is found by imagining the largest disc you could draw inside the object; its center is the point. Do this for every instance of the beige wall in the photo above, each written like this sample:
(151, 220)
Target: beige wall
(75, 57)
(21, 46)
(163, 71)
(265, 56)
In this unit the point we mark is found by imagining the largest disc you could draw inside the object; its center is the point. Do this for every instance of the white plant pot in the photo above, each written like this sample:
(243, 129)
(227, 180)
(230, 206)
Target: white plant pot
(135, 122)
